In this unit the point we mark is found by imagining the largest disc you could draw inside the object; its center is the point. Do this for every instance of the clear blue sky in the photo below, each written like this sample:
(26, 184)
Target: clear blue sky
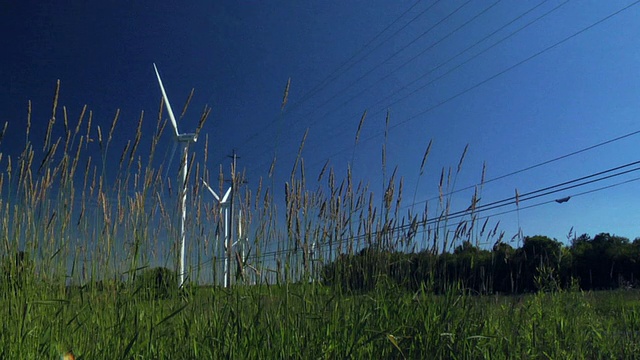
(239, 55)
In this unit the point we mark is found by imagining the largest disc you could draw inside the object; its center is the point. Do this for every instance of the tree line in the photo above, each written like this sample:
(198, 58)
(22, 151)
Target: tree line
(541, 264)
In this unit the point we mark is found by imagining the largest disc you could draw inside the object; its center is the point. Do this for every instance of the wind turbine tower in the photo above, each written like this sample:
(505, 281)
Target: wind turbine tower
(224, 204)
(184, 140)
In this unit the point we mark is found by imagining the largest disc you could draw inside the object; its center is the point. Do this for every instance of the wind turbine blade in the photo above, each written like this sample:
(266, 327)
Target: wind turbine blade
(226, 196)
(173, 152)
(166, 102)
(211, 191)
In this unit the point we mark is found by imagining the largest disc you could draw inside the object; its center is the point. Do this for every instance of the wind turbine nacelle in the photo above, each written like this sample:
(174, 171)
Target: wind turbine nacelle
(187, 137)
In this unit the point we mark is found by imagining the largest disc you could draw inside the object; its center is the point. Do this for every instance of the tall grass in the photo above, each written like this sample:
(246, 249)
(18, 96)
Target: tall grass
(88, 257)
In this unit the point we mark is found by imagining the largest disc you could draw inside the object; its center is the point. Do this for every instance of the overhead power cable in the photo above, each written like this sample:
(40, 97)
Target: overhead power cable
(448, 16)
(454, 57)
(449, 60)
(492, 77)
(498, 204)
(546, 162)
(344, 241)
(511, 34)
(547, 190)
(336, 72)
(338, 93)
(444, 226)
(411, 59)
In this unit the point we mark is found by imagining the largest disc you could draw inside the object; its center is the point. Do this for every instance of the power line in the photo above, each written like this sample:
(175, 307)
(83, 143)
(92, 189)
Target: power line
(537, 204)
(571, 196)
(336, 72)
(457, 55)
(494, 76)
(546, 162)
(563, 186)
(547, 191)
(510, 35)
(449, 34)
(449, 60)
(343, 241)
(338, 93)
(492, 206)
(442, 227)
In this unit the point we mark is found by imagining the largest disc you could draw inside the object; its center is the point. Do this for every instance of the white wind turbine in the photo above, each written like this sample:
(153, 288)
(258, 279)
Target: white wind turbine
(312, 255)
(242, 242)
(184, 140)
(224, 208)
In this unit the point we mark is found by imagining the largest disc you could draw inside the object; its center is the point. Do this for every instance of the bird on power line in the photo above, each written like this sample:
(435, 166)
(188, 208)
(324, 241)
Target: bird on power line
(563, 200)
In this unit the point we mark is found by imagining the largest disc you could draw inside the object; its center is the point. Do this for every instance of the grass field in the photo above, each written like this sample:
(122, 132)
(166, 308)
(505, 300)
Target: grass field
(314, 322)
(76, 244)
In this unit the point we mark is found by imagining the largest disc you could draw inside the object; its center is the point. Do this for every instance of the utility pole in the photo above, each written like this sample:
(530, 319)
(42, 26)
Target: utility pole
(231, 223)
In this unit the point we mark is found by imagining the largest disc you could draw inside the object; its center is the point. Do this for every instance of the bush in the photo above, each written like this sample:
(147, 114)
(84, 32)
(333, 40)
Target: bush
(15, 271)
(156, 283)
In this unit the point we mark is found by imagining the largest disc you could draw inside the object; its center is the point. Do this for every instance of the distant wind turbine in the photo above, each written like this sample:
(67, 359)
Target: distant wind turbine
(184, 140)
(224, 204)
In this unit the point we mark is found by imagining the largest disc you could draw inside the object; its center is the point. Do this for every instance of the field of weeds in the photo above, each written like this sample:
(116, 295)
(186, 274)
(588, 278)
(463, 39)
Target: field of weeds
(89, 259)
(314, 322)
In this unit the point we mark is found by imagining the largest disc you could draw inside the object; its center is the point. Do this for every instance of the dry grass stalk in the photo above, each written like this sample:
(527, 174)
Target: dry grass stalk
(100, 138)
(203, 118)
(28, 122)
(425, 156)
(124, 153)
(75, 160)
(89, 121)
(206, 149)
(441, 186)
(285, 96)
(80, 118)
(53, 116)
(384, 150)
(484, 226)
(4, 130)
(364, 115)
(48, 156)
(272, 167)
(47, 138)
(399, 197)
(186, 104)
(464, 153)
(136, 140)
(388, 194)
(298, 157)
(324, 168)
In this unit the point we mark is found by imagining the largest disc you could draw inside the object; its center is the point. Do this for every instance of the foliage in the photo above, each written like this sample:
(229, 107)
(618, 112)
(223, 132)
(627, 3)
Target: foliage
(311, 321)
(542, 263)
(15, 270)
(156, 283)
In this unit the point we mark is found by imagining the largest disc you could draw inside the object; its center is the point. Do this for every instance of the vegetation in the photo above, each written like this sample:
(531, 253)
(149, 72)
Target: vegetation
(311, 321)
(85, 267)
(541, 264)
